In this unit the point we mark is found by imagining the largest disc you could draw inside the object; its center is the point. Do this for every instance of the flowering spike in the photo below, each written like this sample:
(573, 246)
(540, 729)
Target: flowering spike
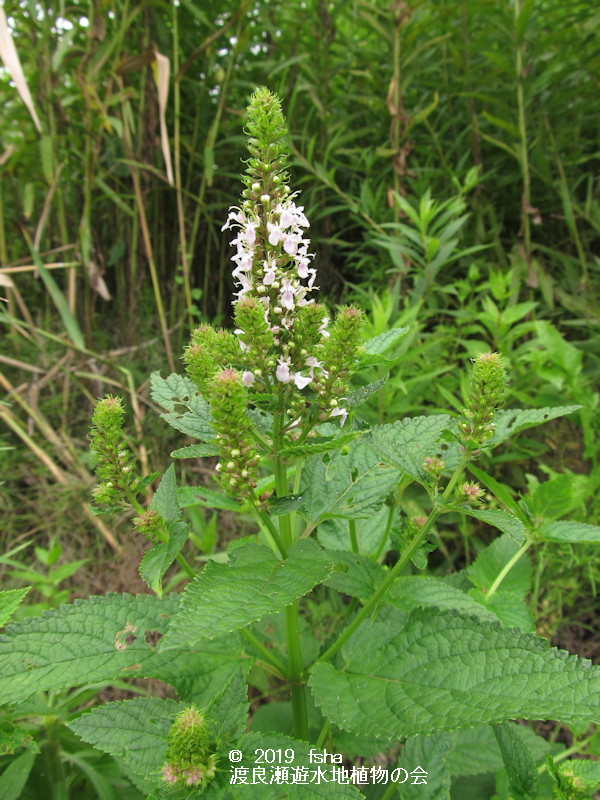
(112, 457)
(189, 761)
(487, 392)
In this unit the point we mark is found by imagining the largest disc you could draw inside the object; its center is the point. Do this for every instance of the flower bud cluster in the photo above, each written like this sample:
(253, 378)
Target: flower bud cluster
(487, 392)
(469, 492)
(152, 525)
(189, 760)
(434, 467)
(209, 351)
(113, 466)
(238, 455)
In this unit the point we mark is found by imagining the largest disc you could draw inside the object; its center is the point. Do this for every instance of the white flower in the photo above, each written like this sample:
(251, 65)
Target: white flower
(248, 378)
(300, 381)
(282, 373)
(243, 345)
(275, 234)
(312, 363)
(322, 331)
(287, 294)
(235, 215)
(340, 412)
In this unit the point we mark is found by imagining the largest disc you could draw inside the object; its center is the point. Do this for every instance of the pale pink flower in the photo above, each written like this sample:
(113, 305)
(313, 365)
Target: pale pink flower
(300, 381)
(248, 378)
(340, 412)
(282, 373)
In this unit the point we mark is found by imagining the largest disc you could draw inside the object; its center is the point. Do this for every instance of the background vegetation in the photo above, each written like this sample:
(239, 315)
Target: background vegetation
(448, 156)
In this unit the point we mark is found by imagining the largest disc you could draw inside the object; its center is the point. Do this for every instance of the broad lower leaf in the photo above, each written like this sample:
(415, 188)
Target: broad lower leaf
(509, 607)
(185, 410)
(505, 522)
(133, 730)
(570, 532)
(444, 671)
(228, 711)
(408, 593)
(518, 760)
(351, 485)
(405, 444)
(514, 420)
(226, 597)
(10, 600)
(92, 640)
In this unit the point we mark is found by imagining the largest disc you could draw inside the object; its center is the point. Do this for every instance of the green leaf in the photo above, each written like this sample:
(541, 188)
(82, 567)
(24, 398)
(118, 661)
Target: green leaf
(283, 505)
(518, 760)
(507, 523)
(68, 320)
(570, 532)
(444, 671)
(14, 777)
(165, 498)
(10, 600)
(132, 730)
(92, 640)
(201, 496)
(226, 597)
(352, 484)
(321, 444)
(488, 564)
(513, 421)
(354, 574)
(228, 711)
(374, 348)
(157, 560)
(406, 443)
(427, 753)
(196, 451)
(186, 411)
(334, 534)
(552, 499)
(509, 607)
(575, 779)
(358, 396)
(410, 592)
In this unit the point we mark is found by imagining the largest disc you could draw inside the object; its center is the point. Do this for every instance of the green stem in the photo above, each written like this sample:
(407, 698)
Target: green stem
(297, 686)
(390, 791)
(267, 654)
(271, 533)
(353, 539)
(506, 569)
(323, 735)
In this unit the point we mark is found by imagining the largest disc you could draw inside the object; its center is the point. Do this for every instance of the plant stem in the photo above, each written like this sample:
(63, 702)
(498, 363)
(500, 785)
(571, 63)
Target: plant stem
(506, 569)
(323, 735)
(353, 539)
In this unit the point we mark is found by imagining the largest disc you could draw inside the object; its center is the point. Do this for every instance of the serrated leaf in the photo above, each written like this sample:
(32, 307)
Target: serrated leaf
(406, 443)
(196, 451)
(92, 640)
(201, 496)
(569, 531)
(226, 597)
(228, 711)
(186, 411)
(358, 396)
(381, 344)
(576, 777)
(10, 600)
(157, 560)
(321, 444)
(427, 753)
(351, 485)
(512, 421)
(410, 592)
(505, 522)
(518, 761)
(132, 730)
(444, 671)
